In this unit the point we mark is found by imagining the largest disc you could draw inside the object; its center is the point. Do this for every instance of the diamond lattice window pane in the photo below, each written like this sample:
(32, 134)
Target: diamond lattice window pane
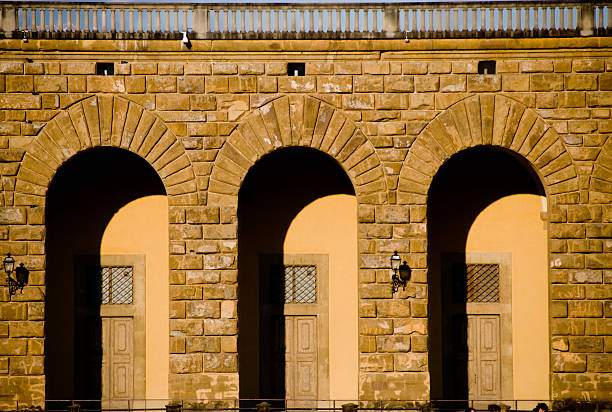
(117, 285)
(483, 283)
(300, 284)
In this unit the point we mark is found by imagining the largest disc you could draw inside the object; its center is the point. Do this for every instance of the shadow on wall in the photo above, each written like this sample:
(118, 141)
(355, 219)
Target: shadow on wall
(463, 187)
(274, 191)
(82, 198)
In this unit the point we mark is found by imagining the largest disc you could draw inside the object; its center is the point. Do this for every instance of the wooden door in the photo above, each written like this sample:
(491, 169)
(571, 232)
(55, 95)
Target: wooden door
(117, 360)
(301, 360)
(484, 357)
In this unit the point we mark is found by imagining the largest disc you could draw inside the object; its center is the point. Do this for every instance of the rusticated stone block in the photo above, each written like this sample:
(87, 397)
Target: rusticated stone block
(203, 309)
(219, 291)
(161, 84)
(586, 344)
(219, 262)
(13, 346)
(186, 262)
(203, 344)
(392, 214)
(410, 362)
(568, 362)
(598, 327)
(12, 216)
(585, 309)
(560, 344)
(203, 214)
(546, 82)
(567, 292)
(393, 308)
(185, 363)
(26, 365)
(106, 84)
(190, 327)
(392, 343)
(410, 326)
(588, 65)
(378, 362)
(224, 68)
(367, 344)
(26, 329)
(567, 327)
(367, 309)
(533, 66)
(177, 310)
(13, 311)
(483, 83)
(220, 362)
(375, 326)
(177, 345)
(293, 84)
(220, 327)
(598, 291)
(598, 261)
(558, 309)
(580, 82)
(599, 363)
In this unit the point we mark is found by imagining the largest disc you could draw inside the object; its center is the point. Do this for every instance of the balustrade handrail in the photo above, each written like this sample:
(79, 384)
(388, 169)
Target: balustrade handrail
(47, 19)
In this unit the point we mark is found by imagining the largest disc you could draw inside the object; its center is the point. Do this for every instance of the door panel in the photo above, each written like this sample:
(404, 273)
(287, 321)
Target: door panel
(118, 358)
(301, 358)
(485, 360)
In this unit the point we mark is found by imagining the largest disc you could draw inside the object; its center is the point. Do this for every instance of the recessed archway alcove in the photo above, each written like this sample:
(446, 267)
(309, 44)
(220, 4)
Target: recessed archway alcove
(86, 192)
(278, 188)
(487, 260)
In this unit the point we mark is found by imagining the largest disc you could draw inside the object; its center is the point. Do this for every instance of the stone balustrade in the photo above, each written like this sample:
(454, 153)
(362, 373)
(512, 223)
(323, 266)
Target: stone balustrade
(81, 20)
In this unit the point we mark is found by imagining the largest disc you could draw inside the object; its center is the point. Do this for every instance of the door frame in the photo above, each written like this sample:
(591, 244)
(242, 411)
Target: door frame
(503, 308)
(319, 309)
(136, 310)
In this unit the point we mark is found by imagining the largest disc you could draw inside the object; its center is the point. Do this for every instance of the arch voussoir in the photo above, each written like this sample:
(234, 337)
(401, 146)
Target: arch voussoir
(493, 120)
(111, 121)
(297, 120)
(600, 186)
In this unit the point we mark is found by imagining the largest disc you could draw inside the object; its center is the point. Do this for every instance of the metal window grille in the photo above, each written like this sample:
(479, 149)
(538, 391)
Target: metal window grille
(482, 283)
(300, 284)
(117, 285)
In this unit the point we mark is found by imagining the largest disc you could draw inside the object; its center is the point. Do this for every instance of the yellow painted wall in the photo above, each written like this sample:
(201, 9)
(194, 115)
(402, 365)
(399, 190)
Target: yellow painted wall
(141, 227)
(513, 224)
(329, 226)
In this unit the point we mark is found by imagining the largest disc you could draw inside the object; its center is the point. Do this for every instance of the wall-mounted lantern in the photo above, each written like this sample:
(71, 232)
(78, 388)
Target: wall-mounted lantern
(22, 275)
(401, 273)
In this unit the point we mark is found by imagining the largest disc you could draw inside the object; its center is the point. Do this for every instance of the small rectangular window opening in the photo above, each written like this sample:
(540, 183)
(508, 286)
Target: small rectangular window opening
(486, 67)
(296, 69)
(105, 69)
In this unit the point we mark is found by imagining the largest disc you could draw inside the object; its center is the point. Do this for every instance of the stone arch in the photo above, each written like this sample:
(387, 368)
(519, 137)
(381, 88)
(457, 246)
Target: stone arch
(297, 120)
(489, 120)
(601, 179)
(105, 121)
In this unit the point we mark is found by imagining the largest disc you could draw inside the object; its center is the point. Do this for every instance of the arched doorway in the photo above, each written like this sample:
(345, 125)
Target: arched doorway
(106, 217)
(487, 259)
(297, 231)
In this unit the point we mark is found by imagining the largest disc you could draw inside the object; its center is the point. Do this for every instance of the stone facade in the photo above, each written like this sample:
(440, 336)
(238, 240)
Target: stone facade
(390, 113)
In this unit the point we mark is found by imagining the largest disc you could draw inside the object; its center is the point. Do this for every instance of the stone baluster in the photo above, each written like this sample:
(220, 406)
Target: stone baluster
(390, 20)
(586, 19)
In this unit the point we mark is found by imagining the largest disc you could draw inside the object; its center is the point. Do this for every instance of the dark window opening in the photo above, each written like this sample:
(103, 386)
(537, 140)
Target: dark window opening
(486, 67)
(296, 69)
(105, 69)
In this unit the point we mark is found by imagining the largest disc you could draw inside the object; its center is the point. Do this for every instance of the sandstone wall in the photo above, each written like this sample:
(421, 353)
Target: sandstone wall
(390, 118)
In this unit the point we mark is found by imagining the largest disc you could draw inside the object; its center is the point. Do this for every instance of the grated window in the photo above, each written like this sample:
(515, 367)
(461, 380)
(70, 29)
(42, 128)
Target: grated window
(117, 285)
(483, 283)
(300, 284)
(476, 283)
